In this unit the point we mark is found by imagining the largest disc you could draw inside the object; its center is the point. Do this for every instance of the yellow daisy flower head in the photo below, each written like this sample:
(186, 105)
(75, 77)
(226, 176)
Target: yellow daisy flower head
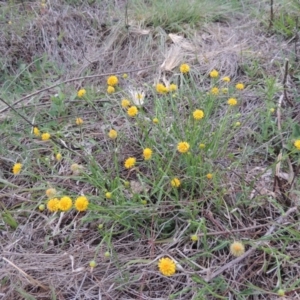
(17, 168)
(201, 146)
(112, 80)
(58, 156)
(125, 103)
(147, 153)
(46, 136)
(297, 144)
(237, 249)
(112, 134)
(184, 68)
(81, 203)
(51, 192)
(232, 102)
(79, 121)
(173, 87)
(198, 114)
(36, 131)
(183, 147)
(132, 111)
(214, 91)
(81, 93)
(209, 176)
(130, 162)
(155, 121)
(65, 203)
(240, 86)
(161, 89)
(175, 182)
(53, 205)
(108, 195)
(226, 79)
(214, 74)
(167, 266)
(110, 89)
(194, 237)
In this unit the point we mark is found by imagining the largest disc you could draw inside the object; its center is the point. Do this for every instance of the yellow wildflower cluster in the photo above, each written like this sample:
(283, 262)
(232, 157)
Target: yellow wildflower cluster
(112, 82)
(65, 203)
(17, 168)
(183, 147)
(184, 68)
(162, 89)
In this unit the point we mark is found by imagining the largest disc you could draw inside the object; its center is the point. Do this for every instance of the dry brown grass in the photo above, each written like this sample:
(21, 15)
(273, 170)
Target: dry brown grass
(44, 258)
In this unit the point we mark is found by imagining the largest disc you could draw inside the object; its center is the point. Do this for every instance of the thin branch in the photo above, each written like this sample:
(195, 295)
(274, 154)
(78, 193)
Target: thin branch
(71, 80)
(249, 252)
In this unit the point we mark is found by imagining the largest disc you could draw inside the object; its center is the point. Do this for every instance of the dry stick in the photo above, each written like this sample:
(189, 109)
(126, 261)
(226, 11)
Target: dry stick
(30, 278)
(71, 80)
(271, 14)
(246, 254)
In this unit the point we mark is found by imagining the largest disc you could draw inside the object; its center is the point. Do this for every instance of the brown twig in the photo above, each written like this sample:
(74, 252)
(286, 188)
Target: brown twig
(271, 15)
(247, 253)
(71, 80)
(29, 278)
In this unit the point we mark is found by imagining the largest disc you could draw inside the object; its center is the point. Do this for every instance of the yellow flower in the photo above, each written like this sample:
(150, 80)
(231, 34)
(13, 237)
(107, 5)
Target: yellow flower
(125, 76)
(209, 176)
(110, 89)
(79, 121)
(53, 205)
(175, 182)
(17, 168)
(214, 91)
(184, 68)
(108, 195)
(155, 121)
(297, 144)
(161, 89)
(226, 79)
(112, 134)
(36, 131)
(81, 203)
(125, 103)
(147, 153)
(214, 74)
(232, 102)
(237, 249)
(201, 146)
(198, 114)
(46, 136)
(132, 111)
(183, 147)
(194, 237)
(130, 162)
(167, 266)
(173, 87)
(51, 192)
(81, 93)
(112, 80)
(65, 203)
(58, 157)
(239, 86)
